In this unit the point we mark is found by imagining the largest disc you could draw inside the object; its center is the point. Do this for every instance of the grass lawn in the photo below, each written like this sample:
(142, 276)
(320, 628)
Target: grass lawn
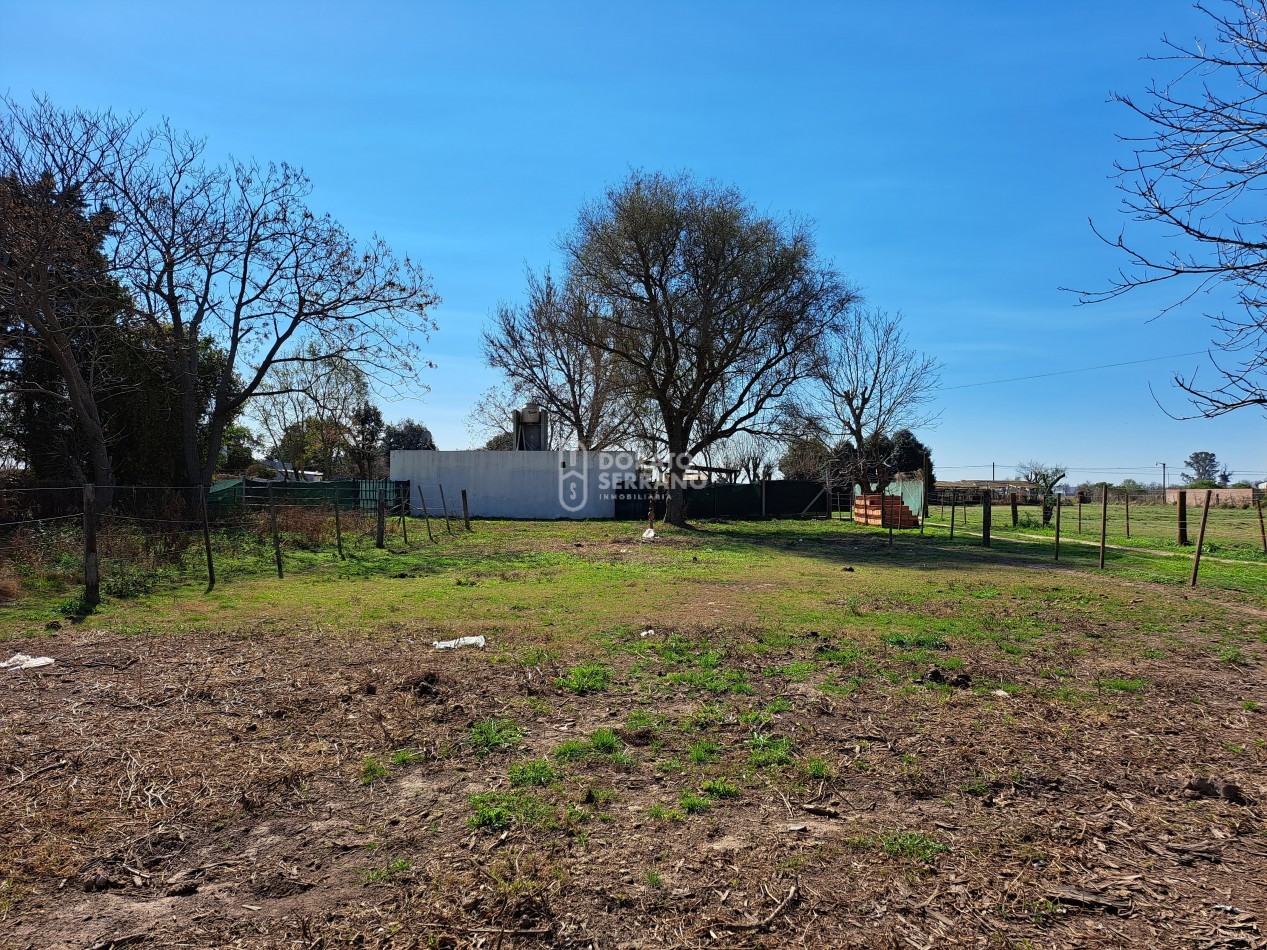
(1231, 533)
(745, 734)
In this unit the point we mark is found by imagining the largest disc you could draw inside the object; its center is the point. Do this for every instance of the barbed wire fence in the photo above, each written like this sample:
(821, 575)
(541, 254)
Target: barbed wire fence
(124, 541)
(1140, 522)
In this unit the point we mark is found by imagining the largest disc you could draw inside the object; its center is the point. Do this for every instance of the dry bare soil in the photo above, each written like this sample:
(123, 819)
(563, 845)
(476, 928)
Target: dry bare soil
(742, 736)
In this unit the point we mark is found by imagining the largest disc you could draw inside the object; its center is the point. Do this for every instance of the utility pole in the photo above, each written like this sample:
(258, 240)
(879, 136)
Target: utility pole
(991, 471)
(1163, 480)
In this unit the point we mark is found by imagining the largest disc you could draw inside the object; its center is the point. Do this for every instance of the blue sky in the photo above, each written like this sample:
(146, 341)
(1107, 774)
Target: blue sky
(950, 154)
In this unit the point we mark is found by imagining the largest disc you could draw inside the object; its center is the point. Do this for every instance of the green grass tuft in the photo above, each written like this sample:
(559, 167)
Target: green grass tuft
(586, 678)
(491, 735)
(535, 772)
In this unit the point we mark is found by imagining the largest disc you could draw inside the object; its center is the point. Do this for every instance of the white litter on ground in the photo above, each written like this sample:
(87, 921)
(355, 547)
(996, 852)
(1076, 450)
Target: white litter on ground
(648, 534)
(647, 633)
(21, 661)
(459, 642)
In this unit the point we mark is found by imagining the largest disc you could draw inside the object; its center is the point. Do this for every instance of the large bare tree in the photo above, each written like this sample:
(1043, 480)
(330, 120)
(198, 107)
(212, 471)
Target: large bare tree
(870, 382)
(580, 382)
(712, 311)
(57, 297)
(233, 255)
(1199, 174)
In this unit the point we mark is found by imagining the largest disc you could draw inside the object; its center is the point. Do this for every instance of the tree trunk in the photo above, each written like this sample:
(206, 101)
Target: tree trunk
(186, 372)
(57, 344)
(675, 503)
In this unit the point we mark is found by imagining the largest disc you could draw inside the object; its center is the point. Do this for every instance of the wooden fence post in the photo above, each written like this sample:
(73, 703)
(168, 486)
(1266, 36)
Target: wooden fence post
(338, 527)
(445, 505)
(426, 515)
(1128, 514)
(1183, 518)
(1015, 516)
(466, 511)
(1104, 519)
(986, 516)
(403, 501)
(92, 571)
(1079, 512)
(954, 497)
(1196, 558)
(380, 539)
(928, 487)
(206, 540)
(272, 514)
(1262, 529)
(1058, 507)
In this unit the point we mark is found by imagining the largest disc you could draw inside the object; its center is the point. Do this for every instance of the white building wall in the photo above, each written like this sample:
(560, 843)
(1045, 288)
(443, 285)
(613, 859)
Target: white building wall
(543, 485)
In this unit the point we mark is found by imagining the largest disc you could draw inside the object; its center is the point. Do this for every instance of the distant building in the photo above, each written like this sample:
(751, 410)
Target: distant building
(287, 471)
(1000, 489)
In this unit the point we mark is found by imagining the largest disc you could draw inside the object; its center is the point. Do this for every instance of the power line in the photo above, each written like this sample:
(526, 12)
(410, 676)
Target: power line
(1066, 372)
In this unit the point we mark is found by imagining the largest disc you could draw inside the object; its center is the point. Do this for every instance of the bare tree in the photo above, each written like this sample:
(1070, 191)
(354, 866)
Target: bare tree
(309, 408)
(580, 382)
(491, 416)
(56, 296)
(869, 383)
(1200, 173)
(233, 255)
(754, 456)
(712, 311)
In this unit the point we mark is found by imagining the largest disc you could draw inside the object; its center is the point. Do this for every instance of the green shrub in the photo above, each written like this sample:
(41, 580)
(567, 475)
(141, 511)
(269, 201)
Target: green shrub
(125, 583)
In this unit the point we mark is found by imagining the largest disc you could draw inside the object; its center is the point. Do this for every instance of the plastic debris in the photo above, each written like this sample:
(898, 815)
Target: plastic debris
(459, 642)
(647, 633)
(648, 534)
(21, 661)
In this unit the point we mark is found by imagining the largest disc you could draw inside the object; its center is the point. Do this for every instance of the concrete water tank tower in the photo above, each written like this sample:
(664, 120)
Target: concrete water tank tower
(532, 428)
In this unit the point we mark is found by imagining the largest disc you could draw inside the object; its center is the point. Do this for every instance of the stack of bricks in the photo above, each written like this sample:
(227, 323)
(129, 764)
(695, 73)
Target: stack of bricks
(883, 511)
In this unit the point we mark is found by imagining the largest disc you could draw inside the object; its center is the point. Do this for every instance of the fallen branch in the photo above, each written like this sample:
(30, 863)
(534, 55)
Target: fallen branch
(821, 810)
(27, 776)
(771, 917)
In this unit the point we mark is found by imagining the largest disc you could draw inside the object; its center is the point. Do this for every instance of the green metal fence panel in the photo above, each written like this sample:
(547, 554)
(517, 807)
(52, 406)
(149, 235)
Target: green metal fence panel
(912, 495)
(226, 497)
